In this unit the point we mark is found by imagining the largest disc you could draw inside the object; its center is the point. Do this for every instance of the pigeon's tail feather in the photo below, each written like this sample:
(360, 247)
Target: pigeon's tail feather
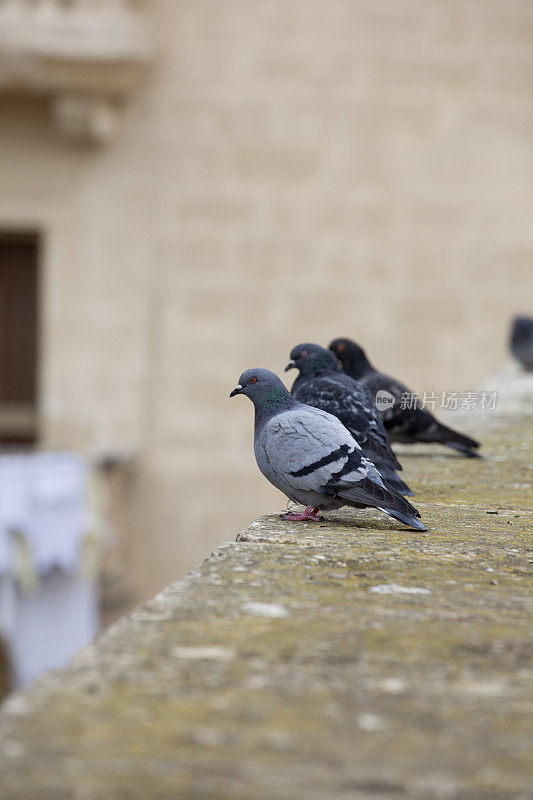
(447, 436)
(384, 497)
(408, 519)
(368, 493)
(466, 449)
(394, 480)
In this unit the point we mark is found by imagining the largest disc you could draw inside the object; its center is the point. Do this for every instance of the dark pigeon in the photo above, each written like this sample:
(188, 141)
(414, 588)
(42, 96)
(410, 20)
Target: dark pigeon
(521, 341)
(323, 384)
(407, 425)
(312, 458)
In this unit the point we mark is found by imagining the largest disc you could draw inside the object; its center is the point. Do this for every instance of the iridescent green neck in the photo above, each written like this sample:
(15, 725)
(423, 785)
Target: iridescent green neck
(270, 402)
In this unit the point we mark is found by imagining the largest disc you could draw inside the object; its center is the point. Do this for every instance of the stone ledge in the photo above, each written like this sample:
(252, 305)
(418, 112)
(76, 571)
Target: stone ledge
(347, 659)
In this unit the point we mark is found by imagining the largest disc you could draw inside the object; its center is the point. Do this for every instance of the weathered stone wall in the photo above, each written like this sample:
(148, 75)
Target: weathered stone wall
(349, 659)
(291, 170)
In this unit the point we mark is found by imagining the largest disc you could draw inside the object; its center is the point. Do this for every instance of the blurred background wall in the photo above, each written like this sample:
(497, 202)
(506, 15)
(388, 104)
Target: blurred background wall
(277, 172)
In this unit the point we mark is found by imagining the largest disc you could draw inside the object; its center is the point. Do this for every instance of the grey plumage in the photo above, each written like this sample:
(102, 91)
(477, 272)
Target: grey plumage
(323, 384)
(311, 457)
(409, 424)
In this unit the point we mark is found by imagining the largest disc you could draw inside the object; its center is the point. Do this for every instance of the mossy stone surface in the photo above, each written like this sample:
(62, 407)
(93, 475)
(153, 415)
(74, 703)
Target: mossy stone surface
(351, 658)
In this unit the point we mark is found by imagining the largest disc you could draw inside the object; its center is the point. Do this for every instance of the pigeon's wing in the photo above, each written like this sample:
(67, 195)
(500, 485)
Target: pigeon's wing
(352, 403)
(404, 417)
(377, 381)
(406, 421)
(338, 400)
(378, 445)
(307, 448)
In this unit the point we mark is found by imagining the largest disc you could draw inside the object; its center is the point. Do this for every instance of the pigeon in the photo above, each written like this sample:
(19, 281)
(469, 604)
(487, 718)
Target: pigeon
(409, 425)
(312, 458)
(323, 384)
(521, 341)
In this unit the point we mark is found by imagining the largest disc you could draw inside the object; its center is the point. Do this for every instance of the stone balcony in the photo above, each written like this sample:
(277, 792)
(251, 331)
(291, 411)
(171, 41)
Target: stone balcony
(88, 56)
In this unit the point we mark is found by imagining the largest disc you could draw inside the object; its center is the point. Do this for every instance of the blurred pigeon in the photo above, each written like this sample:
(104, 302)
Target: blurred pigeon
(521, 342)
(311, 457)
(323, 384)
(407, 425)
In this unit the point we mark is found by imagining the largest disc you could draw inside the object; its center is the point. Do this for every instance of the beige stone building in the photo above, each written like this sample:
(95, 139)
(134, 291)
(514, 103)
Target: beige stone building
(194, 186)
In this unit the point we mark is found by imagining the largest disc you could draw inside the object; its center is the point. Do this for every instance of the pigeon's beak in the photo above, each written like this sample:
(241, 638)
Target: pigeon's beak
(290, 365)
(237, 390)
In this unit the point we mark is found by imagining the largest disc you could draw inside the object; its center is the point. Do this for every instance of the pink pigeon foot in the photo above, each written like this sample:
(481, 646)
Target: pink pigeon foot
(310, 513)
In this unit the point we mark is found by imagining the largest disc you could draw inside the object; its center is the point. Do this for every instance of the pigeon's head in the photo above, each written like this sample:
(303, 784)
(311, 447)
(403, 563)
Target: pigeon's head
(352, 357)
(521, 329)
(260, 383)
(312, 359)
(521, 341)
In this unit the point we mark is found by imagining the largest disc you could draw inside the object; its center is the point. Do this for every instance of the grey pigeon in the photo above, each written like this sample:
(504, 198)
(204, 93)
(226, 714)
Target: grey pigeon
(521, 342)
(322, 383)
(311, 457)
(409, 425)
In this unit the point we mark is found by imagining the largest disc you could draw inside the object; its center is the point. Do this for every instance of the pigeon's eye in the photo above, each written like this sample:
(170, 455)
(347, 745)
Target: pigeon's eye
(253, 380)
(341, 347)
(303, 353)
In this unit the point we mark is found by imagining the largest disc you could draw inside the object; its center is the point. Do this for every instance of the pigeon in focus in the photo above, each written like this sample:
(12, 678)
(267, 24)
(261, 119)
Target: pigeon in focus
(521, 341)
(312, 458)
(409, 425)
(322, 383)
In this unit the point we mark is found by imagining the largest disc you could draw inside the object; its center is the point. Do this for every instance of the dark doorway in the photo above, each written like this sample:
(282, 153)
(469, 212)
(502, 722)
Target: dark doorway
(19, 281)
